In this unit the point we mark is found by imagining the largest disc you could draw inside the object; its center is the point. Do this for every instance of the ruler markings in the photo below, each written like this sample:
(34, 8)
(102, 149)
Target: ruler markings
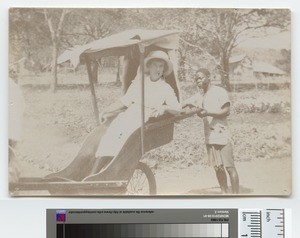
(283, 222)
(262, 223)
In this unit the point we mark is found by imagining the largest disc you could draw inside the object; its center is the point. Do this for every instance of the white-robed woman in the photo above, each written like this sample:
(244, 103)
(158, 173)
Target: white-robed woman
(159, 98)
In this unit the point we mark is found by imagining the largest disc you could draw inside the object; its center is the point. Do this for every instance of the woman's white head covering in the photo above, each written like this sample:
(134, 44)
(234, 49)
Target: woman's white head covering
(162, 56)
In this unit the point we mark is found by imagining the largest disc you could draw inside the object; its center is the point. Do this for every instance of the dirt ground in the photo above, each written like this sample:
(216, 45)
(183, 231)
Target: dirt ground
(266, 177)
(256, 178)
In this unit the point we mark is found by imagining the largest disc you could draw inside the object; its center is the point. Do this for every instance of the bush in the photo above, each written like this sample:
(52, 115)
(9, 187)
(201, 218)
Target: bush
(261, 101)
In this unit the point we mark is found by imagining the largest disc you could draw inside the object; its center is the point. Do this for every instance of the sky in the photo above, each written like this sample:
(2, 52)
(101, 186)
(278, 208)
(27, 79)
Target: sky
(275, 41)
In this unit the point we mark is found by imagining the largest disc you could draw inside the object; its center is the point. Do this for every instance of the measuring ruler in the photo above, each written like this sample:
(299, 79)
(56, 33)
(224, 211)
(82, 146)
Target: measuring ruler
(169, 223)
(262, 223)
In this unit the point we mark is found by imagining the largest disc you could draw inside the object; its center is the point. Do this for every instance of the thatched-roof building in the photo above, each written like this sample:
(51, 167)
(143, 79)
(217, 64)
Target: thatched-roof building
(242, 67)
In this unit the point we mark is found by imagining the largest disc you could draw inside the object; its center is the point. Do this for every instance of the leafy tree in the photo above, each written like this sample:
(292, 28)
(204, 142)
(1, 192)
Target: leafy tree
(28, 38)
(88, 25)
(224, 29)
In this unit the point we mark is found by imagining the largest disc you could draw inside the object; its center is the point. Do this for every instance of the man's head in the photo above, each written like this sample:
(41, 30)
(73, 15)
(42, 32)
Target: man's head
(202, 78)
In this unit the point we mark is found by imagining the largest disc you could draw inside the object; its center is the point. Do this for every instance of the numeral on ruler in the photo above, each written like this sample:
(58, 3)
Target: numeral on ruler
(266, 223)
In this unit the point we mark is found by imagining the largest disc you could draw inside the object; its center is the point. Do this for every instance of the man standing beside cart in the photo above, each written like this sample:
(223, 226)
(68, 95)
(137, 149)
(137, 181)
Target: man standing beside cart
(16, 110)
(215, 103)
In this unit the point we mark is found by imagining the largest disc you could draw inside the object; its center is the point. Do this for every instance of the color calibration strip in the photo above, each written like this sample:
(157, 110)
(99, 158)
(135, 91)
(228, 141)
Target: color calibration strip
(216, 230)
(169, 223)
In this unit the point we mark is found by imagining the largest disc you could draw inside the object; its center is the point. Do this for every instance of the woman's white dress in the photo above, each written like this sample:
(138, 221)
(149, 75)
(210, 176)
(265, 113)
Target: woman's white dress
(156, 94)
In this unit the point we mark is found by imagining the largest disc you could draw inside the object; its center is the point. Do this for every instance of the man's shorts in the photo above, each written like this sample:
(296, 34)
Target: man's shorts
(220, 155)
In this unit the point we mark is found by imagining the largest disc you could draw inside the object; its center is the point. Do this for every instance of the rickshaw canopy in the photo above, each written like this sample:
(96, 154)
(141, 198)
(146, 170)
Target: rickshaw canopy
(119, 44)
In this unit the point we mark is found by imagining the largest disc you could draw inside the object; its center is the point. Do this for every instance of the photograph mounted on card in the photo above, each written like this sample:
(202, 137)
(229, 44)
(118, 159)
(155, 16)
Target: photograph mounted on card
(149, 102)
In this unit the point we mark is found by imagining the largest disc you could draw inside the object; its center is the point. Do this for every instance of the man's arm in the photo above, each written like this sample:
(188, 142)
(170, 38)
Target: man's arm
(193, 101)
(223, 112)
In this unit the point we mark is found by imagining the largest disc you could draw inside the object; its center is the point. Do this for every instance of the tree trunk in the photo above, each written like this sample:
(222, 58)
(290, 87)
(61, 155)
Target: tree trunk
(118, 79)
(53, 84)
(224, 71)
(94, 67)
(55, 36)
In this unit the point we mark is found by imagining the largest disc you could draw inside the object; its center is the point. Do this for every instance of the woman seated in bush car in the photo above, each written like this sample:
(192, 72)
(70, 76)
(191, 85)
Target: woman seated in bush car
(159, 98)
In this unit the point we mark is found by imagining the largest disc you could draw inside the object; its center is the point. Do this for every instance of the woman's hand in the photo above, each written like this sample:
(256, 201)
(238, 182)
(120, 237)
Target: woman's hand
(103, 117)
(158, 111)
(111, 111)
(189, 105)
(202, 113)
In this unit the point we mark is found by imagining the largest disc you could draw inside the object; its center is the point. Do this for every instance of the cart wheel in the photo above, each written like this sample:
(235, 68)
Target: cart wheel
(142, 181)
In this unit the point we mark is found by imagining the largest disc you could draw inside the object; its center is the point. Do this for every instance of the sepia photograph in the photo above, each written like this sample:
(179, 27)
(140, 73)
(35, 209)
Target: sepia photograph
(149, 102)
